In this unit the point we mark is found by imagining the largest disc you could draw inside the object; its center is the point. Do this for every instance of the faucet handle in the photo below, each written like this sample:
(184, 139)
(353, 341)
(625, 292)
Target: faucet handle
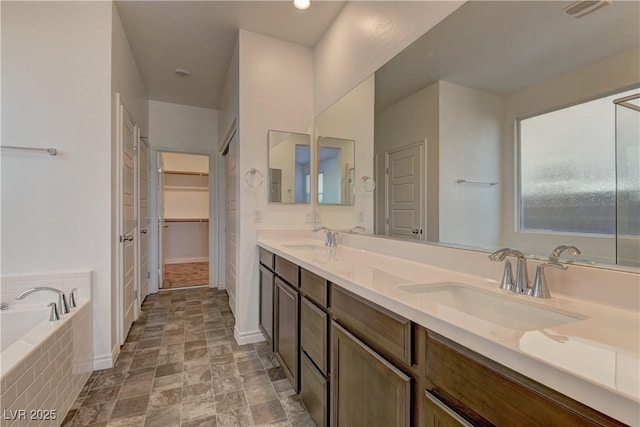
(54, 315)
(62, 300)
(72, 298)
(507, 277)
(540, 288)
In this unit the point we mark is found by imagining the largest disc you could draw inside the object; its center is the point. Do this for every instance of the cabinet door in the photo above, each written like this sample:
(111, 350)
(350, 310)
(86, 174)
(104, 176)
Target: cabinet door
(286, 335)
(266, 304)
(440, 415)
(366, 390)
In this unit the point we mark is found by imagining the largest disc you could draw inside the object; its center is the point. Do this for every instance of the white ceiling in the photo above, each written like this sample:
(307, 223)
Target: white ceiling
(503, 46)
(200, 36)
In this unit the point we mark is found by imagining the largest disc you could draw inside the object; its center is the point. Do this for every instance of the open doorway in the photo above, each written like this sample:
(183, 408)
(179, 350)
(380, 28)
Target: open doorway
(183, 201)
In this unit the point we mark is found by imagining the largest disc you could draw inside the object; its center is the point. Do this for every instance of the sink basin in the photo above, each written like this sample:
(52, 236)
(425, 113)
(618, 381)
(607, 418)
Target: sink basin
(304, 246)
(497, 309)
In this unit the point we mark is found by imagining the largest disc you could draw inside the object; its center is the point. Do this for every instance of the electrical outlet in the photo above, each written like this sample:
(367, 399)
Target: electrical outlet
(317, 217)
(361, 217)
(258, 217)
(308, 217)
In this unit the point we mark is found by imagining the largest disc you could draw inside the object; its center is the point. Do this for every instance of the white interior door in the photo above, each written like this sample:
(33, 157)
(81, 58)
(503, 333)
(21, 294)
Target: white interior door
(231, 221)
(404, 192)
(160, 210)
(143, 216)
(127, 226)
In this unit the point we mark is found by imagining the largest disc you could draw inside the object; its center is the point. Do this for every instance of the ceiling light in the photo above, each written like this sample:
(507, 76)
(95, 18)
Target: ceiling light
(182, 72)
(302, 4)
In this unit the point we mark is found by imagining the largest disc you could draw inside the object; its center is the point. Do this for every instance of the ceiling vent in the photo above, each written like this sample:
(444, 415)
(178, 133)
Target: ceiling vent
(582, 8)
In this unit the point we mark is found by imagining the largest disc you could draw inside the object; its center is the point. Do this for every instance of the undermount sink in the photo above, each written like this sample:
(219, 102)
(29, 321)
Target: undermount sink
(497, 309)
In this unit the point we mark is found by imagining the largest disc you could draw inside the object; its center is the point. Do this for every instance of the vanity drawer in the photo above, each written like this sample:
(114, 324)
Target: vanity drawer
(314, 333)
(314, 391)
(314, 287)
(287, 270)
(382, 329)
(266, 258)
(488, 393)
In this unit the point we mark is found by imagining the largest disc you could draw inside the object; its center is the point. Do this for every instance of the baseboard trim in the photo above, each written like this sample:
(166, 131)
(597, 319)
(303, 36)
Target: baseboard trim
(106, 360)
(185, 260)
(247, 337)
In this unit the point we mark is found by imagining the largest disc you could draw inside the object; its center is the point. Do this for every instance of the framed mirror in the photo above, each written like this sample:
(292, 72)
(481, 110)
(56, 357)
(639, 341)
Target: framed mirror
(498, 128)
(336, 171)
(289, 167)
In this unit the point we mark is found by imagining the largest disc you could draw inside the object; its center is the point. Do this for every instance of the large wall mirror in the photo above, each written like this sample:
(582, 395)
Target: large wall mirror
(289, 167)
(500, 127)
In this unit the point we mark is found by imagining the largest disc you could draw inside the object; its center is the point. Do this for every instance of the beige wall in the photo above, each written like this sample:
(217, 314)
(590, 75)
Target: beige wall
(275, 92)
(56, 92)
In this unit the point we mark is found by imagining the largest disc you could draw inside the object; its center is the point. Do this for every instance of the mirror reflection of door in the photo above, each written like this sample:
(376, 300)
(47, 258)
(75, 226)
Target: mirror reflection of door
(404, 192)
(275, 185)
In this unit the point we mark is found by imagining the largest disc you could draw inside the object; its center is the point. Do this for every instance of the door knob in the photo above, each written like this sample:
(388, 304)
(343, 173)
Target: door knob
(415, 231)
(128, 238)
(143, 231)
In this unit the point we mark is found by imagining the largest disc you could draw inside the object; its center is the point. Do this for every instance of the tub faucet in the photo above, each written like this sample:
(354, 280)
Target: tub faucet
(4, 306)
(330, 240)
(555, 254)
(61, 296)
(357, 228)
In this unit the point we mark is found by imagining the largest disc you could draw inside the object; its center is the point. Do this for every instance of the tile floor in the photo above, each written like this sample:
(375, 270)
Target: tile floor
(180, 366)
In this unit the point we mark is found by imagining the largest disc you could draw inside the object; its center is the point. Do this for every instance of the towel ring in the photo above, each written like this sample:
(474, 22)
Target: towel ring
(253, 177)
(368, 184)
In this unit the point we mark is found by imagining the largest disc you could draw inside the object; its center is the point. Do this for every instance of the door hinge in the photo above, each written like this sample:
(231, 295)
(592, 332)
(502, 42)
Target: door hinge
(148, 275)
(387, 221)
(387, 171)
(135, 150)
(135, 294)
(121, 238)
(134, 222)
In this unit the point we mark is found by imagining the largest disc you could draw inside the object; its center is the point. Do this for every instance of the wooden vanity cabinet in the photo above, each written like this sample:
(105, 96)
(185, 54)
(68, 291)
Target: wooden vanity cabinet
(266, 284)
(484, 392)
(366, 390)
(314, 346)
(266, 293)
(286, 334)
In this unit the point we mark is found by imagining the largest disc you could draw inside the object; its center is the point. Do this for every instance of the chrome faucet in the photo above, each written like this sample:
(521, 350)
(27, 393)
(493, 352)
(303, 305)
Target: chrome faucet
(72, 298)
(330, 239)
(357, 228)
(521, 284)
(540, 289)
(555, 254)
(62, 299)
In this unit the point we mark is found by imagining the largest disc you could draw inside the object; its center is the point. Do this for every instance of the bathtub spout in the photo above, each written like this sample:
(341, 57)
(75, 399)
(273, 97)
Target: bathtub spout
(61, 296)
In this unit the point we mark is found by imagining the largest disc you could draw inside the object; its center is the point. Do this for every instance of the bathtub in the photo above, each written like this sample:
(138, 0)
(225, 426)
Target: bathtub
(43, 365)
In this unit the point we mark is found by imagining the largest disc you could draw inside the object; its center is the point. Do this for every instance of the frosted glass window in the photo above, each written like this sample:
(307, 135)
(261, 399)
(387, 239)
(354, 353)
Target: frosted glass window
(567, 169)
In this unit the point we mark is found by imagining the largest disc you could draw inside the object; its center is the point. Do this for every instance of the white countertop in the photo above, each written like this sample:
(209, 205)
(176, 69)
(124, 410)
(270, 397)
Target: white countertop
(592, 357)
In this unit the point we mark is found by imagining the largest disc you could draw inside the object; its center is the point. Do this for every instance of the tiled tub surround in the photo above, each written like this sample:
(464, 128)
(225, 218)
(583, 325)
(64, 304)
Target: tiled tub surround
(595, 360)
(45, 369)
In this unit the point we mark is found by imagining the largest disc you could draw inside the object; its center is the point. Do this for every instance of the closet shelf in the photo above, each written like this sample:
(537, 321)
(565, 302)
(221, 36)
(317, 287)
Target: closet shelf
(184, 188)
(171, 172)
(186, 220)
